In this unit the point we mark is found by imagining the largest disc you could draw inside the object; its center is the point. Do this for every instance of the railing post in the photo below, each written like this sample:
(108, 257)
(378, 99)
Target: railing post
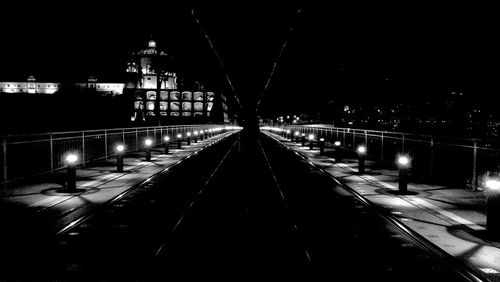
(105, 144)
(136, 140)
(431, 164)
(83, 148)
(343, 141)
(474, 168)
(354, 139)
(382, 147)
(403, 144)
(4, 159)
(51, 144)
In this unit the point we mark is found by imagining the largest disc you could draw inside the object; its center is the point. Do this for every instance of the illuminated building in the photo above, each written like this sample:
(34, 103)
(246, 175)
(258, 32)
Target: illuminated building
(150, 84)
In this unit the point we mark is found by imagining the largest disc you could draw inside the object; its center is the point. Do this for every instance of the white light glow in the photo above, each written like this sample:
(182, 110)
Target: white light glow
(403, 161)
(71, 158)
(166, 138)
(148, 142)
(322, 139)
(288, 132)
(361, 149)
(492, 184)
(311, 137)
(179, 135)
(196, 133)
(120, 148)
(188, 134)
(297, 133)
(337, 143)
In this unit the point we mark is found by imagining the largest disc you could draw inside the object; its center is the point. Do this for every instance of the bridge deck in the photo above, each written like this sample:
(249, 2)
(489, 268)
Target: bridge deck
(259, 209)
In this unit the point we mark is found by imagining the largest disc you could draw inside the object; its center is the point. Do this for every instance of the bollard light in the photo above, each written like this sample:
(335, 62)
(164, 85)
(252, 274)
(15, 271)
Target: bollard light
(147, 147)
(119, 149)
(303, 139)
(492, 185)
(195, 136)
(288, 134)
(321, 145)
(201, 135)
(403, 162)
(179, 140)
(188, 138)
(311, 141)
(338, 151)
(167, 143)
(361, 158)
(71, 161)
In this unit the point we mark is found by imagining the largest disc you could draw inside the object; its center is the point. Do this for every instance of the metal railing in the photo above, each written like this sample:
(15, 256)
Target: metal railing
(23, 156)
(448, 161)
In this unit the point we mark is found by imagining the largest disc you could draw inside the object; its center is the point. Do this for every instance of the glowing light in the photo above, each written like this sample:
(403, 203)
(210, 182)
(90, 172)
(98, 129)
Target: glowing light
(120, 148)
(492, 184)
(322, 139)
(297, 133)
(151, 106)
(179, 135)
(303, 134)
(311, 137)
(288, 132)
(71, 158)
(188, 134)
(403, 161)
(201, 131)
(337, 143)
(132, 118)
(166, 138)
(196, 133)
(361, 150)
(148, 142)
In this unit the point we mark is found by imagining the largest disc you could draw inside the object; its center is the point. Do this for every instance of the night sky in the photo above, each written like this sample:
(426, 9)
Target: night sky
(334, 53)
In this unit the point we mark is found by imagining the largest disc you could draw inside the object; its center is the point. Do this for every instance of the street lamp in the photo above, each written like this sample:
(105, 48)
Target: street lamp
(119, 149)
(195, 136)
(188, 138)
(296, 134)
(493, 205)
(311, 141)
(403, 163)
(303, 139)
(167, 143)
(71, 161)
(361, 150)
(201, 135)
(147, 146)
(288, 135)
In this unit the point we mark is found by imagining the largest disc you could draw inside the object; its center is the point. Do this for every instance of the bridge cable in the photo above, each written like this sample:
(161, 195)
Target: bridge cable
(219, 59)
(275, 63)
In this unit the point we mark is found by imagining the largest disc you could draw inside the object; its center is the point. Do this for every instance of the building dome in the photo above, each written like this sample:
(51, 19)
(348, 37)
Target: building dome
(151, 50)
